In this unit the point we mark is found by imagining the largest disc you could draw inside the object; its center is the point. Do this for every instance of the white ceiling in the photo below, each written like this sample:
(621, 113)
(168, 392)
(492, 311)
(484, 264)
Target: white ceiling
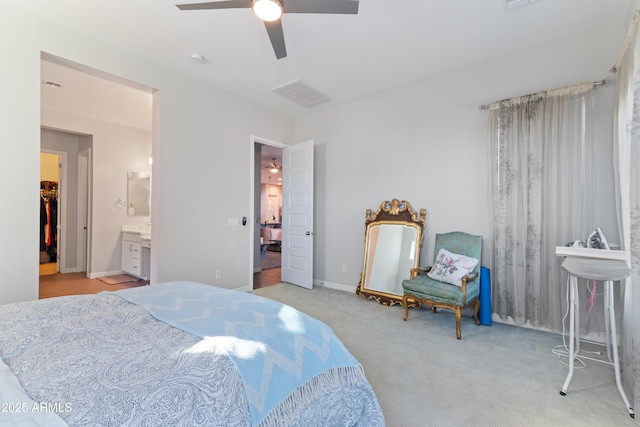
(387, 44)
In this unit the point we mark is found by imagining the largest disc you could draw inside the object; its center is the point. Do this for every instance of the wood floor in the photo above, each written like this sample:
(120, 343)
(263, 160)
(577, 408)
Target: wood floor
(56, 285)
(53, 284)
(266, 278)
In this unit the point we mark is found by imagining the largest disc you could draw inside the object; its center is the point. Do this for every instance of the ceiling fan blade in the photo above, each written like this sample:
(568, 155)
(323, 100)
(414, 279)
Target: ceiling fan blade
(228, 4)
(276, 35)
(320, 6)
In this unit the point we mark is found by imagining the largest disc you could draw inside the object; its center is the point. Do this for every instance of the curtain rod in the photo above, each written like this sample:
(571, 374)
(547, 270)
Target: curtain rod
(598, 83)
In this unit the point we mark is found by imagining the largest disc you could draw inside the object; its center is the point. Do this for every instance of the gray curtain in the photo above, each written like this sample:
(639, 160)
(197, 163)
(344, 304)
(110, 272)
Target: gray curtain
(547, 173)
(627, 156)
(557, 173)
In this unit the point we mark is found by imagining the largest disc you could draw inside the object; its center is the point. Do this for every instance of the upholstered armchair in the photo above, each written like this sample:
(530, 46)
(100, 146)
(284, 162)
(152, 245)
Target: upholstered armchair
(453, 280)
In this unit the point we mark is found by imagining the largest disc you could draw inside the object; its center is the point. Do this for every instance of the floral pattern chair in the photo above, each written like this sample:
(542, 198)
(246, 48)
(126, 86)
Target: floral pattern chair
(452, 282)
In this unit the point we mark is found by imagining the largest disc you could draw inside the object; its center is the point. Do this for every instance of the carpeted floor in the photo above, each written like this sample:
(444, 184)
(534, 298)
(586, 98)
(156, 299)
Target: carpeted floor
(497, 375)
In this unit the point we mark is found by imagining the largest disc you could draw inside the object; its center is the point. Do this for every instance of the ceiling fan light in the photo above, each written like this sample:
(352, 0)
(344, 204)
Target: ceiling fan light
(267, 10)
(273, 166)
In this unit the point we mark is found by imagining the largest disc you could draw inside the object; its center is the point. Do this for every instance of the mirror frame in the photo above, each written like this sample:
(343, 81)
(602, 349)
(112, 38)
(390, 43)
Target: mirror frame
(391, 212)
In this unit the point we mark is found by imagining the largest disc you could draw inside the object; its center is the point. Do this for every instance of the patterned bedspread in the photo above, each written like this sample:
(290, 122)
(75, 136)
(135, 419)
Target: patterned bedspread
(99, 360)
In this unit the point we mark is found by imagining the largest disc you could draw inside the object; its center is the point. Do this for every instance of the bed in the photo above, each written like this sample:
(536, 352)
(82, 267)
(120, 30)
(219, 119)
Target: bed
(176, 354)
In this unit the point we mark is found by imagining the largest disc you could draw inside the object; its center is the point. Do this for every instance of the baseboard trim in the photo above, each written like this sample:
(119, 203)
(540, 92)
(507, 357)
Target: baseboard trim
(333, 285)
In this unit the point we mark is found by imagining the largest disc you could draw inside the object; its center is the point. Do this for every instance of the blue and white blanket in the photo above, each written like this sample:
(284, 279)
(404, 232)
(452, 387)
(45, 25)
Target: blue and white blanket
(100, 360)
(276, 348)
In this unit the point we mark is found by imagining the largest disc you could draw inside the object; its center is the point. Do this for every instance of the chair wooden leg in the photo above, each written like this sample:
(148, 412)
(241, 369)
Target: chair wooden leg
(405, 305)
(476, 308)
(458, 316)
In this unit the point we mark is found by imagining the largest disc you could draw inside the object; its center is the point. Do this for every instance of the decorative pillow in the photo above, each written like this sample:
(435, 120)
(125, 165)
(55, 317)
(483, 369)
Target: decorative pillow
(451, 268)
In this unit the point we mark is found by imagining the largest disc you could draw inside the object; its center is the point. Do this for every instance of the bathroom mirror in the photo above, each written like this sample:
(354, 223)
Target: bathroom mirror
(393, 238)
(138, 194)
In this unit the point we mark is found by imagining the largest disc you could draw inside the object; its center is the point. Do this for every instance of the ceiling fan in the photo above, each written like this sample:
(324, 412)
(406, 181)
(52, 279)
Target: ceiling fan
(273, 166)
(270, 11)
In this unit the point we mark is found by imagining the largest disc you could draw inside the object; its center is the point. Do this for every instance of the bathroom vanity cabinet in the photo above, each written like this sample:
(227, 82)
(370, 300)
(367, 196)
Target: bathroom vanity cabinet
(136, 249)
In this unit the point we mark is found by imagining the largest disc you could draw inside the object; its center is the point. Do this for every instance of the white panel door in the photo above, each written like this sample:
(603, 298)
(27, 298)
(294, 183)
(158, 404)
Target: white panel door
(83, 211)
(297, 212)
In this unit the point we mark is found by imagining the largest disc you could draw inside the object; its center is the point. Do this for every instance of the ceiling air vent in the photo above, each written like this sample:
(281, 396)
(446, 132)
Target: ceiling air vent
(301, 93)
(510, 5)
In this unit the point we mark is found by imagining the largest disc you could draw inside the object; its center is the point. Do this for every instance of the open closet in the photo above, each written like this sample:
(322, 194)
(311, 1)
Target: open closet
(48, 221)
(49, 212)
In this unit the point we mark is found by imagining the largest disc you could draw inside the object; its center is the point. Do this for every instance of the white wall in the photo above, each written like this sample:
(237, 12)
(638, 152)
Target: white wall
(194, 125)
(427, 143)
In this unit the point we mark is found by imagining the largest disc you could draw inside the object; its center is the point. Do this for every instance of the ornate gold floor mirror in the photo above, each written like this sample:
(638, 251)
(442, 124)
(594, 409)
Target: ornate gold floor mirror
(393, 238)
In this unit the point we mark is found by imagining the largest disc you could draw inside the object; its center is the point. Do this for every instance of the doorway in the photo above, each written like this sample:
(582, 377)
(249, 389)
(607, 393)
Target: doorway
(96, 188)
(296, 211)
(61, 201)
(267, 260)
(49, 223)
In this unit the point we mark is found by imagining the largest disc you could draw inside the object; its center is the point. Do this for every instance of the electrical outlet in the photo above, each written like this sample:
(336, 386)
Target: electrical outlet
(218, 274)
(344, 268)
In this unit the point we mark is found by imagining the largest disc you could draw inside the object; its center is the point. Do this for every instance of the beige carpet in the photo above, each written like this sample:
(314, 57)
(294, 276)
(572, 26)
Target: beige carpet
(497, 375)
(117, 279)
